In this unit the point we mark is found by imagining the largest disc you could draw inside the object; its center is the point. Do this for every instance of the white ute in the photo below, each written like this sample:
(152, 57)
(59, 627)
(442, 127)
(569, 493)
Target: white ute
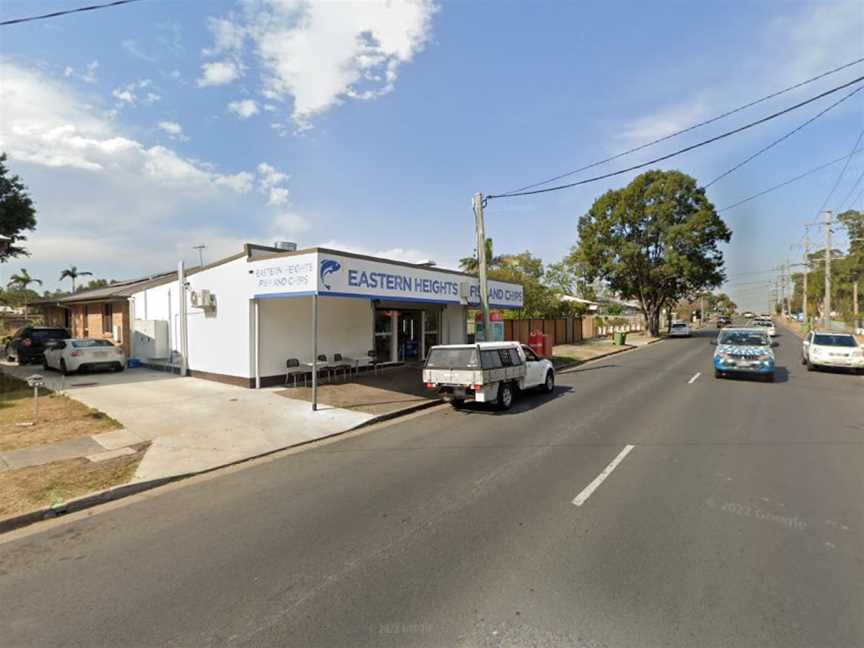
(486, 371)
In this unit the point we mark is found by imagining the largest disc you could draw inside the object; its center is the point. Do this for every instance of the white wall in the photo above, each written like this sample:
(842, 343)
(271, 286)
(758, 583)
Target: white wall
(344, 326)
(455, 324)
(219, 341)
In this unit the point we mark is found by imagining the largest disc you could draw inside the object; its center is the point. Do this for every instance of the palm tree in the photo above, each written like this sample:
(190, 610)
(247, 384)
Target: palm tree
(471, 264)
(73, 273)
(22, 281)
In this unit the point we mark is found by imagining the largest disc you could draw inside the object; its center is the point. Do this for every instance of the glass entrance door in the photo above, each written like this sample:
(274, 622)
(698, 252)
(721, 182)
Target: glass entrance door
(383, 335)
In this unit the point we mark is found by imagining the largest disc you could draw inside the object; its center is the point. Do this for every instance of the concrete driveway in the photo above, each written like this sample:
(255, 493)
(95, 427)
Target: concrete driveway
(193, 424)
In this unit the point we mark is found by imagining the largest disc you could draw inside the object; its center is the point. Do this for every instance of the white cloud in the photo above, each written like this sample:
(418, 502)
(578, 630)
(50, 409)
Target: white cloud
(147, 203)
(126, 96)
(288, 224)
(227, 35)
(269, 176)
(174, 130)
(218, 73)
(244, 108)
(152, 97)
(320, 53)
(278, 196)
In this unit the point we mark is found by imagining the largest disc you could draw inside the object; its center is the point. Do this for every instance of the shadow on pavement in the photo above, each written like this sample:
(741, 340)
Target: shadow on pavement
(524, 402)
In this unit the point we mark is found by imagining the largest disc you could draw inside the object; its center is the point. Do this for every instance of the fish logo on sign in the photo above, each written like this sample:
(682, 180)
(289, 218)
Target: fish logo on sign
(328, 267)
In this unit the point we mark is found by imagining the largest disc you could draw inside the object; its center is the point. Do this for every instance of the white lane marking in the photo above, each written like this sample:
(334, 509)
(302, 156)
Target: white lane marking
(582, 497)
(694, 378)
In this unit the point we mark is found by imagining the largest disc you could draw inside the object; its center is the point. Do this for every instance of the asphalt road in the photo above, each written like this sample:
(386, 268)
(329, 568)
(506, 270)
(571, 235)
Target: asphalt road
(736, 519)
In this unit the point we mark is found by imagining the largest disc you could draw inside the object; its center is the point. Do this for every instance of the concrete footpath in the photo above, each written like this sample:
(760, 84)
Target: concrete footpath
(193, 425)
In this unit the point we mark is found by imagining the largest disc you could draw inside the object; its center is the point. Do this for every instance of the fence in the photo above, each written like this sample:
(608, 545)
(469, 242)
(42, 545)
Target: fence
(570, 330)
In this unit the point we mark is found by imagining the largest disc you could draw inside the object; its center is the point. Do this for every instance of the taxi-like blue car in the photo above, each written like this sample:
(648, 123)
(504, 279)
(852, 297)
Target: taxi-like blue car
(744, 351)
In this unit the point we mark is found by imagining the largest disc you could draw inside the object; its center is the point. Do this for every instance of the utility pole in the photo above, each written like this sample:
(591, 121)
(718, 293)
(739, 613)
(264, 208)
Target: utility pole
(480, 226)
(827, 313)
(806, 272)
(200, 249)
(702, 311)
(783, 272)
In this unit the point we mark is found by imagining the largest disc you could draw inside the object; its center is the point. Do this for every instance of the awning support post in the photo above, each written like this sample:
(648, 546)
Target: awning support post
(314, 352)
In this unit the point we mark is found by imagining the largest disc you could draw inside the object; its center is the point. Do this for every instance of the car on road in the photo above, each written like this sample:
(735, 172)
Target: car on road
(838, 350)
(71, 355)
(743, 351)
(724, 320)
(747, 315)
(486, 371)
(680, 329)
(28, 343)
(766, 324)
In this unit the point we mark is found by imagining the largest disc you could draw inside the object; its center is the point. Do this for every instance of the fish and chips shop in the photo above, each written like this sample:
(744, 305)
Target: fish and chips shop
(250, 316)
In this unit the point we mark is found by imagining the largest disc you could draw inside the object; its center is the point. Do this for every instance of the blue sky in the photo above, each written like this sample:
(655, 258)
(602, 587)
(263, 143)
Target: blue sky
(144, 130)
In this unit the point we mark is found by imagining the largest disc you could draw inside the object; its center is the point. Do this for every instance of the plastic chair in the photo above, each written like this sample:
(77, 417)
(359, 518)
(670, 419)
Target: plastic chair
(339, 363)
(293, 368)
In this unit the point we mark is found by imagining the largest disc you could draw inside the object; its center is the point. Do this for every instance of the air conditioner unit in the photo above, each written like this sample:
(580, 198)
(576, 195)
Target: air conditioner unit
(202, 299)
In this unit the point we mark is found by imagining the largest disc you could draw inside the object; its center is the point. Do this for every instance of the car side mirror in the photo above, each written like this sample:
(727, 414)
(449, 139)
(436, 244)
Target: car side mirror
(806, 342)
(775, 344)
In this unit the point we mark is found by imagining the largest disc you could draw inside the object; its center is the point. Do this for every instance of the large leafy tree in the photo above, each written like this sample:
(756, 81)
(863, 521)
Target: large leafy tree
(72, 272)
(17, 213)
(656, 241)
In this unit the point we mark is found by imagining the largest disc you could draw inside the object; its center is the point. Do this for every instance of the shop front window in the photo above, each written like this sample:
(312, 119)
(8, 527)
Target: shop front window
(430, 332)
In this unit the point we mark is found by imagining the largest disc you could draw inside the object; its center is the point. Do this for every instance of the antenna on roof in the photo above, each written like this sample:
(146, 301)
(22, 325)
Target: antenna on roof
(200, 247)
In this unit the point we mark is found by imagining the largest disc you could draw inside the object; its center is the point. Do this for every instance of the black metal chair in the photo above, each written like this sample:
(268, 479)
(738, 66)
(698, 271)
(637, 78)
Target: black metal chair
(340, 364)
(293, 368)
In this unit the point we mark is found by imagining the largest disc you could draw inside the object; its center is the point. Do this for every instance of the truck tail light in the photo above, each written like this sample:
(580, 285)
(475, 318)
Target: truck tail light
(75, 354)
(478, 388)
(430, 386)
(27, 342)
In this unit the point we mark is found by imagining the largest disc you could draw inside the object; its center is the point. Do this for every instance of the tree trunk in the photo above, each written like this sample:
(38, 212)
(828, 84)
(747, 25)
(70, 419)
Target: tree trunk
(652, 320)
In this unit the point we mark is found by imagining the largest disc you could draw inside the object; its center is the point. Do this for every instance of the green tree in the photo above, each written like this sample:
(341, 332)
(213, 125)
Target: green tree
(656, 241)
(72, 272)
(526, 269)
(17, 213)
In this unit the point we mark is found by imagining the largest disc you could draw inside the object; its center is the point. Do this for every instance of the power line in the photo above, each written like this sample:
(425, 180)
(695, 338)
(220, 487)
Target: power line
(790, 181)
(55, 14)
(842, 171)
(683, 150)
(784, 137)
(842, 204)
(690, 128)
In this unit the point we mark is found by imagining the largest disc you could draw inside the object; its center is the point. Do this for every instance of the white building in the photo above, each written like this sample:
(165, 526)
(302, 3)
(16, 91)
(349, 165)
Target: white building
(248, 314)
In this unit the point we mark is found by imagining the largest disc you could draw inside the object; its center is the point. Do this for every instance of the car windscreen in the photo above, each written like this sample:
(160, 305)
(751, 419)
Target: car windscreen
(86, 344)
(465, 358)
(743, 338)
(679, 326)
(834, 340)
(49, 334)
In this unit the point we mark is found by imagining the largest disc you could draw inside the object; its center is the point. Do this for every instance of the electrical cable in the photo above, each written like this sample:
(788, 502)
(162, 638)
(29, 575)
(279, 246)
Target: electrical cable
(840, 177)
(691, 128)
(55, 14)
(683, 150)
(790, 181)
(784, 137)
(842, 204)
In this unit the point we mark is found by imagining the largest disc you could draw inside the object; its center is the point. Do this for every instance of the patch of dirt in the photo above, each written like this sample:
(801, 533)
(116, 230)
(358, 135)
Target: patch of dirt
(60, 417)
(34, 487)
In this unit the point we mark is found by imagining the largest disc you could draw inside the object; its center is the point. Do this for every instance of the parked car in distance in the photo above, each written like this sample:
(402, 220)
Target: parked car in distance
(679, 329)
(744, 351)
(28, 343)
(486, 371)
(723, 320)
(766, 324)
(840, 350)
(747, 314)
(87, 353)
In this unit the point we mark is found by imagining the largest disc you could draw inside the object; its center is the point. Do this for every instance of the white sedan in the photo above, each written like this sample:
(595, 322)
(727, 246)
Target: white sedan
(766, 324)
(87, 353)
(841, 350)
(679, 329)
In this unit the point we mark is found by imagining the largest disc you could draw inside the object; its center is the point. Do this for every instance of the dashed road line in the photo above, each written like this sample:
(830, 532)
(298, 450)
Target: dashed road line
(582, 497)
(694, 378)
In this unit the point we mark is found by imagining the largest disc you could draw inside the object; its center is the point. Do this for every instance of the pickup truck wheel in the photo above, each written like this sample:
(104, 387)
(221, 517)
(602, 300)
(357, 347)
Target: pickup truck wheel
(505, 396)
(549, 385)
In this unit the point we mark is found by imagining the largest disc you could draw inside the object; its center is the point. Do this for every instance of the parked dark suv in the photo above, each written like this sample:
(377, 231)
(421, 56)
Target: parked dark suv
(28, 343)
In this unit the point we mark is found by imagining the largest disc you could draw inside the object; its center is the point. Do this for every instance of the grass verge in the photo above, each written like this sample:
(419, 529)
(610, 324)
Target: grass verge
(53, 484)
(60, 417)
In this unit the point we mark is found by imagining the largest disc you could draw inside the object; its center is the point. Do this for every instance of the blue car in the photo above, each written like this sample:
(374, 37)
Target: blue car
(744, 351)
